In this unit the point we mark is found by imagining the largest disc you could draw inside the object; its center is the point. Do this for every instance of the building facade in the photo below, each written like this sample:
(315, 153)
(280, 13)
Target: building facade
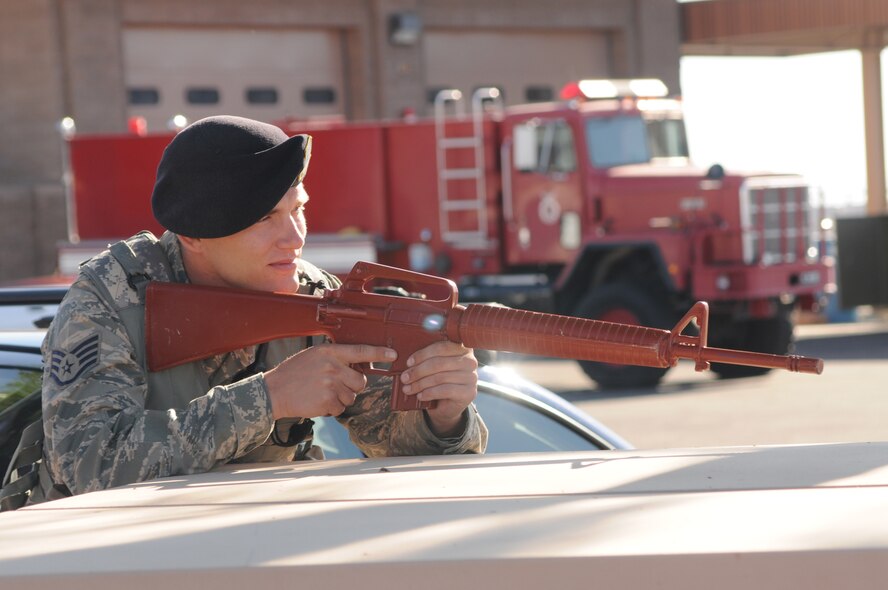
(110, 63)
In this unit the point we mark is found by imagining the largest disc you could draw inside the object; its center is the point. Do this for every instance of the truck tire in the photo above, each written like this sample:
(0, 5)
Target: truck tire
(771, 336)
(627, 304)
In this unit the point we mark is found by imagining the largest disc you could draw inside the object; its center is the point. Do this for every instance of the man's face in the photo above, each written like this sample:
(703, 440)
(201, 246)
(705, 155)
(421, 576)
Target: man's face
(264, 256)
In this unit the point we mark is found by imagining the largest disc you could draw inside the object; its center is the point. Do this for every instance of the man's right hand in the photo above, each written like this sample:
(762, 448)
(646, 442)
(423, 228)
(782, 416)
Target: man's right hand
(319, 381)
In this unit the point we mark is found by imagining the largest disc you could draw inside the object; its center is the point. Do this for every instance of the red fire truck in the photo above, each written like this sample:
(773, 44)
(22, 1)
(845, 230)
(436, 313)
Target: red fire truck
(588, 206)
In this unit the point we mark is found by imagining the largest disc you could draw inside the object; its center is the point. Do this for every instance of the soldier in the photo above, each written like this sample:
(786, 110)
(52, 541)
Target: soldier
(229, 193)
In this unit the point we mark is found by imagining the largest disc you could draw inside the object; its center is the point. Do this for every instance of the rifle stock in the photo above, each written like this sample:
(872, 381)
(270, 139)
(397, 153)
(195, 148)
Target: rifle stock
(189, 322)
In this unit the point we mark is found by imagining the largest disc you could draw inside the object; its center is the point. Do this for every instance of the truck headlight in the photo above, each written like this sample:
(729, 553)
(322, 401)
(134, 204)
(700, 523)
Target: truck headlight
(420, 257)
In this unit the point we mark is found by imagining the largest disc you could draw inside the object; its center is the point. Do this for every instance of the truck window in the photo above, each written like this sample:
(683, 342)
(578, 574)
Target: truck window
(666, 138)
(545, 147)
(616, 141)
(564, 153)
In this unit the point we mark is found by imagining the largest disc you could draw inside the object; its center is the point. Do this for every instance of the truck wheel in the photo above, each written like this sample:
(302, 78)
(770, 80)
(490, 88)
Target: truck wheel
(771, 336)
(626, 304)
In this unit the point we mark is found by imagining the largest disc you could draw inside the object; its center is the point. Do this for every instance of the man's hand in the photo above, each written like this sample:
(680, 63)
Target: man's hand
(319, 381)
(447, 372)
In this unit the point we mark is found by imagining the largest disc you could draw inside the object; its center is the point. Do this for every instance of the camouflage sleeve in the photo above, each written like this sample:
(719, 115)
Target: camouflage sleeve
(99, 433)
(379, 432)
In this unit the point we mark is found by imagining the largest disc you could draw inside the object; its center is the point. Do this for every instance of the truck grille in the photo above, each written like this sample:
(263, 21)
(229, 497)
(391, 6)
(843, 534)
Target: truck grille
(776, 217)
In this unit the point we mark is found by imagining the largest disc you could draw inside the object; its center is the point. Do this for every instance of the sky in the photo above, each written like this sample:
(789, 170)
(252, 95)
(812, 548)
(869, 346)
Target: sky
(801, 114)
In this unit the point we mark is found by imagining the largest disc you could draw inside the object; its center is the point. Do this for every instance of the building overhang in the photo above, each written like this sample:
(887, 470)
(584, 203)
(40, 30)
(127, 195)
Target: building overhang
(782, 27)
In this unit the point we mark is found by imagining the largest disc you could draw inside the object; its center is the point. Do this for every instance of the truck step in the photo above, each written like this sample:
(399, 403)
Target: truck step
(467, 240)
(461, 205)
(457, 142)
(460, 173)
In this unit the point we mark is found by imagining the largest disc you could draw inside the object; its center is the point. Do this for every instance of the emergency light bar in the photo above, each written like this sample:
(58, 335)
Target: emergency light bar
(660, 105)
(602, 89)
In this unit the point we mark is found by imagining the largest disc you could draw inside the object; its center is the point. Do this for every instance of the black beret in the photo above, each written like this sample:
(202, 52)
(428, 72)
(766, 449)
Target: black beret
(222, 174)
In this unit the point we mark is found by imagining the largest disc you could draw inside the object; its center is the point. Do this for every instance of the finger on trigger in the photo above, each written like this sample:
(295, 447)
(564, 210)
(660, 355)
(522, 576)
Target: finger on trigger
(355, 381)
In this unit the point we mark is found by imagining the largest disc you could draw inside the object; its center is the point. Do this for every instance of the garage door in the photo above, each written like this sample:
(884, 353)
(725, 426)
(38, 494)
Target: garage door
(526, 66)
(266, 75)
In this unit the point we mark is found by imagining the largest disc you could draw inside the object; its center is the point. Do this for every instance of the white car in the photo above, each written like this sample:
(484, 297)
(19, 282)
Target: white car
(781, 517)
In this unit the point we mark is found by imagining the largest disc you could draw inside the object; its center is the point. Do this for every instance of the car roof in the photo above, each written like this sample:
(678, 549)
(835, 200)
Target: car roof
(812, 515)
(29, 293)
(21, 348)
(31, 339)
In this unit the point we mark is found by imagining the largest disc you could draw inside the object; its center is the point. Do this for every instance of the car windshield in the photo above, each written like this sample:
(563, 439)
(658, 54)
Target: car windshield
(16, 384)
(514, 427)
(629, 139)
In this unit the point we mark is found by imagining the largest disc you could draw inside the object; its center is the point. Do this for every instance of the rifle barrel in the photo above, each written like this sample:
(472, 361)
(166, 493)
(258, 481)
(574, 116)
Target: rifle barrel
(789, 362)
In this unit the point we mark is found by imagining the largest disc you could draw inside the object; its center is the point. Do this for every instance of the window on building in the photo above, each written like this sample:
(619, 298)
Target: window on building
(539, 94)
(432, 93)
(319, 95)
(202, 95)
(262, 95)
(143, 95)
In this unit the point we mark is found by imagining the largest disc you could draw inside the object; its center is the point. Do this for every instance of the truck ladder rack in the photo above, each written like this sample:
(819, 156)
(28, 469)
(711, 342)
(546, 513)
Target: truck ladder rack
(448, 174)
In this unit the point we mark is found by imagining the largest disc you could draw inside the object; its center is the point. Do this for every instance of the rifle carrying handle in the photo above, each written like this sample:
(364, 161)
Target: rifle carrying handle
(431, 288)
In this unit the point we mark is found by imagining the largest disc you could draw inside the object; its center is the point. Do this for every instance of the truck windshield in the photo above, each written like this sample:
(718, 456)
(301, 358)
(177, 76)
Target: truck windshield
(616, 141)
(630, 139)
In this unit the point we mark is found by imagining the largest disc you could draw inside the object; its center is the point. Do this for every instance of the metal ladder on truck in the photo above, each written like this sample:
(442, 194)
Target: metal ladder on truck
(447, 176)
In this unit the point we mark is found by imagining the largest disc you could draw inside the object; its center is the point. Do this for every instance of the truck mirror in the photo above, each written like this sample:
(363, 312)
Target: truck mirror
(525, 152)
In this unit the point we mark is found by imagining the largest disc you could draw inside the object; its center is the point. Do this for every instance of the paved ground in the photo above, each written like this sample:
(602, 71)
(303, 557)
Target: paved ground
(848, 402)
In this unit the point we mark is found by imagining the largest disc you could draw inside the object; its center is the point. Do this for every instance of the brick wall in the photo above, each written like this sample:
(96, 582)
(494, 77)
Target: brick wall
(64, 58)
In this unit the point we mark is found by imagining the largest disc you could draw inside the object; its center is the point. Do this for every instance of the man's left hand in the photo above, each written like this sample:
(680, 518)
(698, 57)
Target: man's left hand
(447, 372)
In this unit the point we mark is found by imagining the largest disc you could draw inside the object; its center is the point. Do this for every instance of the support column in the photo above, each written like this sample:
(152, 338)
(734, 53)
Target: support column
(873, 128)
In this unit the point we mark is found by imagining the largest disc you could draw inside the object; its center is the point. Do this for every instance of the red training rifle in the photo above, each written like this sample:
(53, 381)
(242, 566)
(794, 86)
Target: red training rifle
(190, 322)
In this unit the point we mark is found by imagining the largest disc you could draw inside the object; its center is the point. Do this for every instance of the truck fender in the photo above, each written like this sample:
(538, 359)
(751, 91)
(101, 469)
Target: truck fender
(599, 264)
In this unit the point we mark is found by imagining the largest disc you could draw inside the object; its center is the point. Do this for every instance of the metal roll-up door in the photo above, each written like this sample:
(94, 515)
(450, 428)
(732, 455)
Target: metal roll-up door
(266, 75)
(526, 66)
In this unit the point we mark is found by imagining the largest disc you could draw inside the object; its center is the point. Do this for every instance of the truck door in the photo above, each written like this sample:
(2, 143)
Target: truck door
(542, 200)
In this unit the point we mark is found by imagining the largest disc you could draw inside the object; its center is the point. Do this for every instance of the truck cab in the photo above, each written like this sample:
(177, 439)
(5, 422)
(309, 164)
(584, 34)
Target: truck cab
(600, 197)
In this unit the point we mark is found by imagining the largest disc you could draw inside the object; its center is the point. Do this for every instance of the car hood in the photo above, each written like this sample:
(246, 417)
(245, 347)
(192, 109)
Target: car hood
(747, 517)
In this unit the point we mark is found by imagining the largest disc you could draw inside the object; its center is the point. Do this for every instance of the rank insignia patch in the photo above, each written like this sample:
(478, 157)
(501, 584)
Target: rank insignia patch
(66, 366)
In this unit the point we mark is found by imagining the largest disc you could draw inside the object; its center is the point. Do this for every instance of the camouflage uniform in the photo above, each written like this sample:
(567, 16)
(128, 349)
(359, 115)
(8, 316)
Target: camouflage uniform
(108, 421)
